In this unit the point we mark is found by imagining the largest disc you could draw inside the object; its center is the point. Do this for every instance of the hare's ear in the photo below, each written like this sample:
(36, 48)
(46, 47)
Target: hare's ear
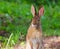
(41, 11)
(33, 10)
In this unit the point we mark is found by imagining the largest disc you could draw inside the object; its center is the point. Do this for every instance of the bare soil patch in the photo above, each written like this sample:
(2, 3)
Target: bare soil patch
(50, 42)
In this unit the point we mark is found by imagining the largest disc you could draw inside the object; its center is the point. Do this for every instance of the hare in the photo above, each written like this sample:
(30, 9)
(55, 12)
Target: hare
(34, 34)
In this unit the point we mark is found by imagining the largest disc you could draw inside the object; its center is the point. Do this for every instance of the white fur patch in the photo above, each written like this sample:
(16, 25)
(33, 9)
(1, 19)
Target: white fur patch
(28, 45)
(33, 25)
(34, 43)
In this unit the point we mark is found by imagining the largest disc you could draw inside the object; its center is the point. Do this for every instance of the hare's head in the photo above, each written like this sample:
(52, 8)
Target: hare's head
(36, 16)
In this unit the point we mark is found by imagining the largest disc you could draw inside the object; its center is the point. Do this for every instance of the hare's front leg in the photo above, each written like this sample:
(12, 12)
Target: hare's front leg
(29, 45)
(41, 46)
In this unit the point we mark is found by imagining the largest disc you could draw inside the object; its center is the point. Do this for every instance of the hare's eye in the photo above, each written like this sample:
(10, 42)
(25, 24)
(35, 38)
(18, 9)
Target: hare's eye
(38, 20)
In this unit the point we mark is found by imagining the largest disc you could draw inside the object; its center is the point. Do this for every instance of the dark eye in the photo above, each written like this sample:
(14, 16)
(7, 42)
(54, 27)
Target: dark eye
(38, 19)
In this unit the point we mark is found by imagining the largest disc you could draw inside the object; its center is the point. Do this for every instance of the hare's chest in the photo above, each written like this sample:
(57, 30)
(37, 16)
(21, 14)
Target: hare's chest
(36, 34)
(33, 33)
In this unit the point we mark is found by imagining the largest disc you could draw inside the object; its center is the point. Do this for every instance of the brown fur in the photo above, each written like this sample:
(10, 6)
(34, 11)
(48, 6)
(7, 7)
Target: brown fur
(34, 35)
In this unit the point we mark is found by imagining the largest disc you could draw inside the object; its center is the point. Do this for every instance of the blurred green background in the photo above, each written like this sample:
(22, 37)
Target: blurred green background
(15, 18)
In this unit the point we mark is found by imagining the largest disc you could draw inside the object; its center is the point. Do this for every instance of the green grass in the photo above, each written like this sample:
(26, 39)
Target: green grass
(51, 32)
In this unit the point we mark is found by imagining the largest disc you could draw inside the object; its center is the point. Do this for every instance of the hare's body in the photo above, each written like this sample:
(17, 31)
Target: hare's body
(34, 38)
(34, 35)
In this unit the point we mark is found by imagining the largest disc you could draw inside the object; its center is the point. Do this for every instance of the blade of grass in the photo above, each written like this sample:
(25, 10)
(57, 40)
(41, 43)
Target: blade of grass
(9, 40)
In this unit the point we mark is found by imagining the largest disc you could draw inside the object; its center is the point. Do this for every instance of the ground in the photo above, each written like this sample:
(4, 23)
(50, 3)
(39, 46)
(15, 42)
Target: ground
(51, 42)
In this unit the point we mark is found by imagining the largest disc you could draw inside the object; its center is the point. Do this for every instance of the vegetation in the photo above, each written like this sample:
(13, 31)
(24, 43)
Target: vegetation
(15, 18)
